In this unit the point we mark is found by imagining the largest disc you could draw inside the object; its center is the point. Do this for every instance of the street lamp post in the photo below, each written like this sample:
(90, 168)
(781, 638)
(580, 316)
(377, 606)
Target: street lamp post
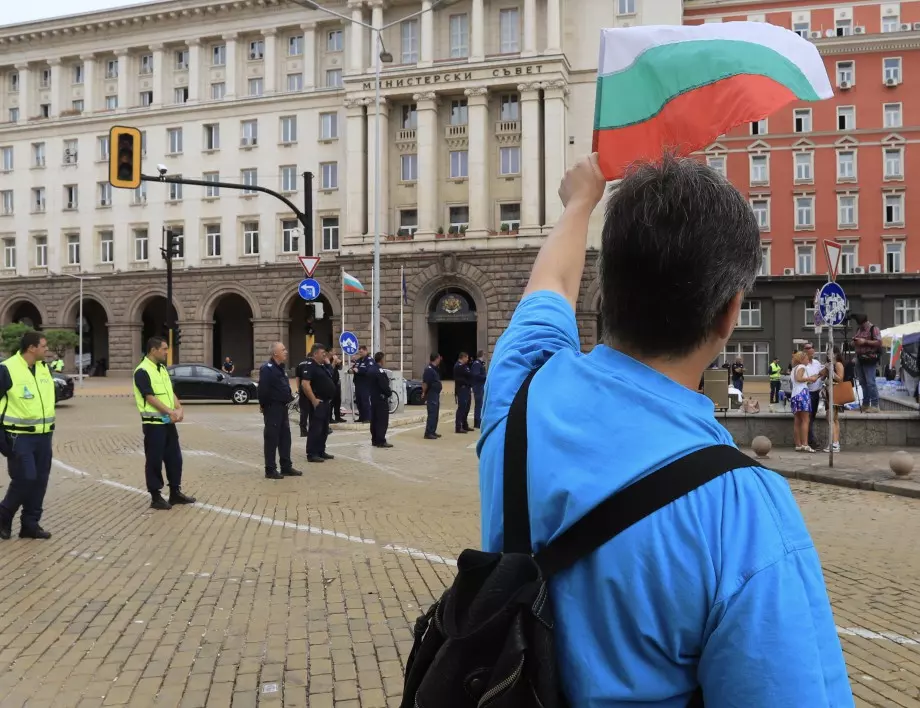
(81, 278)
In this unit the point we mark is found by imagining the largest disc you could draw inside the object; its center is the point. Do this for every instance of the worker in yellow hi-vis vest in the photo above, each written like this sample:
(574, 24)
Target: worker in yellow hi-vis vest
(776, 373)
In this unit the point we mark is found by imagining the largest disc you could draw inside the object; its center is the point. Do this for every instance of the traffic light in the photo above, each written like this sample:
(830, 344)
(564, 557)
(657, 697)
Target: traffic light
(125, 157)
(173, 245)
(177, 336)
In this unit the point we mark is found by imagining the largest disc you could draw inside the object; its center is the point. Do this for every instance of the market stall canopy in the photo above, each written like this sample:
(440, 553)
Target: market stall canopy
(899, 332)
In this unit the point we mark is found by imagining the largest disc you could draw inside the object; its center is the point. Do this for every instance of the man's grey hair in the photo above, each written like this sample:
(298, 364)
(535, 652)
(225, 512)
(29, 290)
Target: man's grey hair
(274, 345)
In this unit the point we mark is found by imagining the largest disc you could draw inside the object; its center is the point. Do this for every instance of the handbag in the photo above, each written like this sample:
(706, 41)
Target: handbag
(844, 393)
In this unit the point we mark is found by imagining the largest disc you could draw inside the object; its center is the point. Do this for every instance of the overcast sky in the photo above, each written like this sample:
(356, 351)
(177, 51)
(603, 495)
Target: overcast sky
(15, 12)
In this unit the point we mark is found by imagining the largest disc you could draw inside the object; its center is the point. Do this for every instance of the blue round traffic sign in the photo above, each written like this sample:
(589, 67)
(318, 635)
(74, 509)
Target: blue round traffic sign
(832, 304)
(308, 289)
(349, 343)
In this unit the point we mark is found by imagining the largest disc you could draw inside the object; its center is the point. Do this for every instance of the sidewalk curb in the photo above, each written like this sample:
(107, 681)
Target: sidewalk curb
(397, 423)
(888, 486)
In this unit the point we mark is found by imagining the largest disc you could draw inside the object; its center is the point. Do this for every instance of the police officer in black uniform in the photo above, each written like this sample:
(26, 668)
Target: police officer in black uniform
(274, 397)
(319, 390)
(360, 368)
(431, 394)
(478, 380)
(379, 382)
(303, 403)
(463, 381)
(334, 367)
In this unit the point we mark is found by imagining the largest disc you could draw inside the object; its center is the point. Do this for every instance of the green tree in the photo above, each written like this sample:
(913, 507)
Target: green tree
(10, 336)
(60, 340)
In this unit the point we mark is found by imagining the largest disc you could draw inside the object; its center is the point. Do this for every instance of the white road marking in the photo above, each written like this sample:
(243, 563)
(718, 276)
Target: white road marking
(869, 634)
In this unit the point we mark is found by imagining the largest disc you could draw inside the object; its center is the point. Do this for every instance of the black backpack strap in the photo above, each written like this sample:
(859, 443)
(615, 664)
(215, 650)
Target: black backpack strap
(640, 499)
(516, 510)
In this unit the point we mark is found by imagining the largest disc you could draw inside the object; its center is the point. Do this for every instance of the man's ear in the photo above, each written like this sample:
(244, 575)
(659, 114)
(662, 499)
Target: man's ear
(726, 322)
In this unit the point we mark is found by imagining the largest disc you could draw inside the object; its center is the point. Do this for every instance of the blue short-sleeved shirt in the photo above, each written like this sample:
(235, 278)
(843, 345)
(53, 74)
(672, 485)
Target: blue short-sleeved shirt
(722, 588)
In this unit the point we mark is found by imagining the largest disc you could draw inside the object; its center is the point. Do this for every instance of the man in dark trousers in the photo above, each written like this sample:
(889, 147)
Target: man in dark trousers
(431, 394)
(318, 388)
(335, 369)
(478, 381)
(379, 383)
(360, 368)
(462, 392)
(274, 397)
(160, 412)
(303, 403)
(26, 428)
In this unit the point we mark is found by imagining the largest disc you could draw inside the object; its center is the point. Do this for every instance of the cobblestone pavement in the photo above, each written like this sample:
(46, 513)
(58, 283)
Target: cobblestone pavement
(301, 591)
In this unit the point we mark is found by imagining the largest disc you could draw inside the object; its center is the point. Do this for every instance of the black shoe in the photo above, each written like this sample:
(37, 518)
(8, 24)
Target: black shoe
(437, 435)
(431, 437)
(303, 433)
(158, 502)
(327, 456)
(461, 432)
(291, 473)
(177, 497)
(383, 444)
(6, 527)
(35, 532)
(274, 474)
(315, 458)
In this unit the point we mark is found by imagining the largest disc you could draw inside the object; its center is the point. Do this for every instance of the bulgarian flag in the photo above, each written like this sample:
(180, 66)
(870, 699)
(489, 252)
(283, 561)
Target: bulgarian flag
(352, 284)
(663, 87)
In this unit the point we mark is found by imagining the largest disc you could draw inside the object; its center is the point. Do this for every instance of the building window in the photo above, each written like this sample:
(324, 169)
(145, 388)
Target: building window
(111, 69)
(330, 229)
(848, 258)
(249, 178)
(891, 23)
(250, 238)
(805, 259)
(409, 116)
(9, 253)
(459, 36)
(38, 153)
(846, 118)
(509, 31)
(73, 249)
(212, 136)
(70, 152)
(6, 159)
(894, 163)
(509, 216)
(38, 200)
(408, 221)
(761, 208)
(892, 69)
(408, 32)
(175, 191)
(334, 41)
(146, 64)
(906, 310)
(140, 194)
(894, 209)
(250, 133)
(211, 192)
(408, 168)
(77, 105)
(459, 112)
(803, 29)
(71, 197)
(111, 103)
(219, 55)
(141, 246)
(459, 218)
(759, 127)
(333, 78)
(288, 130)
(41, 251)
(749, 314)
(893, 117)
(295, 82)
(7, 205)
(255, 86)
(759, 173)
(804, 212)
(102, 148)
(181, 57)
(288, 178)
(328, 126)
(846, 211)
(510, 160)
(256, 49)
(290, 236)
(894, 257)
(754, 356)
(180, 95)
(212, 240)
(106, 247)
(804, 166)
(846, 166)
(14, 115)
(174, 140)
(764, 260)
(846, 74)
(295, 46)
(459, 166)
(105, 194)
(626, 7)
(510, 107)
(218, 90)
(329, 175)
(143, 143)
(717, 163)
(844, 27)
(802, 120)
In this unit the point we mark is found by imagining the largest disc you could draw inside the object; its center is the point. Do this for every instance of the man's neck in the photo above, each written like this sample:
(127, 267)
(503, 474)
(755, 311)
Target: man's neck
(29, 359)
(686, 371)
(154, 362)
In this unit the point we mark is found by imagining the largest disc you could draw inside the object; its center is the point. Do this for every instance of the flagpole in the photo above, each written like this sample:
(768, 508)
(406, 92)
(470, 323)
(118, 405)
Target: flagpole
(402, 298)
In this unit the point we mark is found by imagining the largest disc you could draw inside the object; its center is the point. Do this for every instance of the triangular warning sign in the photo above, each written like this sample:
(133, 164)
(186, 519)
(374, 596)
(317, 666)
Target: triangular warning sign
(309, 264)
(832, 250)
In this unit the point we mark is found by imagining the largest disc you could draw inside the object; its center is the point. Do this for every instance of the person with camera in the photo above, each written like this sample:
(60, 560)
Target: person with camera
(868, 342)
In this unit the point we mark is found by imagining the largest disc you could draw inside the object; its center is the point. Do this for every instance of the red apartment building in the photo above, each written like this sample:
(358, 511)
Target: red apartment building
(843, 169)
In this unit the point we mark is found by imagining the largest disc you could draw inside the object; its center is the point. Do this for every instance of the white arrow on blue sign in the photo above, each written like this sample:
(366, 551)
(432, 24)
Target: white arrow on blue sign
(832, 304)
(349, 343)
(308, 289)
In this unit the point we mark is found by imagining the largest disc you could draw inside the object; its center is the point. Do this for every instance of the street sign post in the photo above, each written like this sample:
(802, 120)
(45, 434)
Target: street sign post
(309, 263)
(833, 306)
(349, 343)
(308, 289)
(832, 251)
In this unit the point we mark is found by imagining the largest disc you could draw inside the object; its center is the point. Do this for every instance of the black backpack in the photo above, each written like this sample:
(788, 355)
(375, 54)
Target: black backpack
(488, 642)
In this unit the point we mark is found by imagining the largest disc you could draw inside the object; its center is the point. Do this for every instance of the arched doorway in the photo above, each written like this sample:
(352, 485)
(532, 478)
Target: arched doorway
(307, 324)
(153, 321)
(26, 313)
(95, 335)
(452, 327)
(233, 334)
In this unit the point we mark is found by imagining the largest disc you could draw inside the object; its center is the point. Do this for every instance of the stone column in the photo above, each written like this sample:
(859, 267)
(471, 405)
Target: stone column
(309, 55)
(196, 335)
(478, 156)
(159, 78)
(123, 67)
(56, 92)
(230, 74)
(356, 37)
(89, 82)
(477, 32)
(429, 213)
(530, 28)
(194, 70)
(554, 146)
(376, 21)
(25, 92)
(427, 49)
(356, 165)
(270, 61)
(553, 27)
(125, 347)
(384, 165)
(531, 177)
(265, 332)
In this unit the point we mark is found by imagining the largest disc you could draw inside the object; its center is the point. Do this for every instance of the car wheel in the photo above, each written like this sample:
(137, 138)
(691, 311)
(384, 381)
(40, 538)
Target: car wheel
(240, 395)
(415, 398)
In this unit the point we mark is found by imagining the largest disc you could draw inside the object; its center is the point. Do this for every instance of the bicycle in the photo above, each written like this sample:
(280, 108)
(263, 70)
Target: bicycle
(394, 401)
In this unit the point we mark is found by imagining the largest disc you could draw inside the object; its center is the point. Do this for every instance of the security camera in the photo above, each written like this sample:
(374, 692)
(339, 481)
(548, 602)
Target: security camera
(162, 170)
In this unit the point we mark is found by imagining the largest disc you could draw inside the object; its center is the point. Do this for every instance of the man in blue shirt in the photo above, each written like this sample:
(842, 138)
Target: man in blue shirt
(274, 397)
(721, 589)
(478, 380)
(463, 392)
(431, 394)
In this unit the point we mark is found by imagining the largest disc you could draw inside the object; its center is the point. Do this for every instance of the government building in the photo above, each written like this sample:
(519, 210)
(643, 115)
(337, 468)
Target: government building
(482, 105)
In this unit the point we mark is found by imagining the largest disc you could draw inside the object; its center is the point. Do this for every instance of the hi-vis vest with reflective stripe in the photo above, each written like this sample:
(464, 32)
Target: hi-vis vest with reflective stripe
(775, 371)
(28, 407)
(162, 389)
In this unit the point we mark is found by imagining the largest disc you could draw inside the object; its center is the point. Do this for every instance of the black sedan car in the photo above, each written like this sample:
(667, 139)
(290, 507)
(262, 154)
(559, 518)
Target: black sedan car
(204, 383)
(414, 392)
(63, 387)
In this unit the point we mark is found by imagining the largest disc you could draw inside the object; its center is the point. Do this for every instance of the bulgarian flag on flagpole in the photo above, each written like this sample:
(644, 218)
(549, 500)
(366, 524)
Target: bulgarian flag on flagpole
(351, 284)
(663, 87)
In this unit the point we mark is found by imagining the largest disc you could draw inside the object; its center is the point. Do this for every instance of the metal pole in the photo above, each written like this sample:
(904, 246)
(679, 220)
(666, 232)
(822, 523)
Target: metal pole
(830, 399)
(80, 363)
(169, 288)
(308, 213)
(402, 299)
(375, 290)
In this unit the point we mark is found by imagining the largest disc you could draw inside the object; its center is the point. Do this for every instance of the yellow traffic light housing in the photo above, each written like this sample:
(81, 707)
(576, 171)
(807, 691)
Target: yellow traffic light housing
(125, 157)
